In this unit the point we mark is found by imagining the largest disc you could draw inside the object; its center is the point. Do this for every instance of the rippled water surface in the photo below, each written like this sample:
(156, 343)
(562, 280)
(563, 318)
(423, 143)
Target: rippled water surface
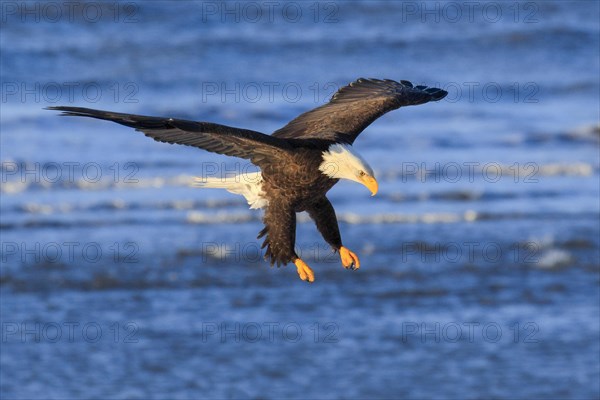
(480, 253)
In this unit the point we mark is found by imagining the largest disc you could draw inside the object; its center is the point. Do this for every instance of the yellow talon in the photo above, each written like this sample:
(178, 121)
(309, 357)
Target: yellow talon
(306, 274)
(349, 259)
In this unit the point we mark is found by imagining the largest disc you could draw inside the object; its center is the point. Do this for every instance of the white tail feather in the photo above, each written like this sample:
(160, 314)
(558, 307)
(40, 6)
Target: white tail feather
(248, 185)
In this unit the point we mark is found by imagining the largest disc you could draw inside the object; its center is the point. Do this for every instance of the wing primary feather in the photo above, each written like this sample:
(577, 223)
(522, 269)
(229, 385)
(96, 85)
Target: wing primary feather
(354, 107)
(259, 148)
(212, 137)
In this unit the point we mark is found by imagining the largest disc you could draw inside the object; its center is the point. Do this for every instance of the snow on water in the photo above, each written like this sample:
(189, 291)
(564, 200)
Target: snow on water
(485, 224)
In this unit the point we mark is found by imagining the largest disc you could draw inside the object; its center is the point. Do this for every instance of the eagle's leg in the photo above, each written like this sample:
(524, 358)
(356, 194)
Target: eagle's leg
(322, 212)
(280, 232)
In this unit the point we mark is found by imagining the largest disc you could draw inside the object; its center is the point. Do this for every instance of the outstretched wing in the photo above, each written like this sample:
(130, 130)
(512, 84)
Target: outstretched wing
(356, 106)
(216, 138)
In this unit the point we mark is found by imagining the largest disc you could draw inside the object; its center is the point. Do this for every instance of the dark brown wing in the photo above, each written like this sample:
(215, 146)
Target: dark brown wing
(356, 106)
(216, 138)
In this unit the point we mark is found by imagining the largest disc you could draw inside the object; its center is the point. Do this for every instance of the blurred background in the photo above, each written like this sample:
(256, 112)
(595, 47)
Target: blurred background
(480, 254)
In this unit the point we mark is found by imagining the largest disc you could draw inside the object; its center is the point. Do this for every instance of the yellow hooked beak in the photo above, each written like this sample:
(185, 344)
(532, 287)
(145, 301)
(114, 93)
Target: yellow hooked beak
(370, 183)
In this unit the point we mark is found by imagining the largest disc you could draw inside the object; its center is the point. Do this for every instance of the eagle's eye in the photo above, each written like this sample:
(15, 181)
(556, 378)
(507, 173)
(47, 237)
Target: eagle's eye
(361, 173)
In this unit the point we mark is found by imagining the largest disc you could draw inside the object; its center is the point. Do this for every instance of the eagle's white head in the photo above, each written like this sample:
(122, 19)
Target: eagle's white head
(340, 161)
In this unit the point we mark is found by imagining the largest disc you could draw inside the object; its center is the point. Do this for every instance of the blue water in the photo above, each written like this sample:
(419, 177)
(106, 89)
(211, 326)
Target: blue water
(480, 253)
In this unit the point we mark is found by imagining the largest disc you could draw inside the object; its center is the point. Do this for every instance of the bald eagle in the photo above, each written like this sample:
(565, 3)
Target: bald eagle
(298, 163)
